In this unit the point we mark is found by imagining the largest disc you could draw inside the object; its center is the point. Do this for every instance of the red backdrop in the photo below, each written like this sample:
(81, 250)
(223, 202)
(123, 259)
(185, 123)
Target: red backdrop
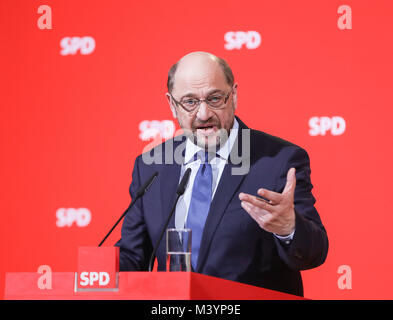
(83, 92)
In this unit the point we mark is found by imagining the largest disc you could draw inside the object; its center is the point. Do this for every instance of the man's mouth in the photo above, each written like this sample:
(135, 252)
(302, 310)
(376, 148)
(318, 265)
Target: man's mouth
(206, 129)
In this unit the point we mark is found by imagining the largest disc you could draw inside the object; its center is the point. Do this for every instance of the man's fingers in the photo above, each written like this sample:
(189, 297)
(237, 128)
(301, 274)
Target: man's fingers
(260, 203)
(291, 181)
(274, 197)
(255, 212)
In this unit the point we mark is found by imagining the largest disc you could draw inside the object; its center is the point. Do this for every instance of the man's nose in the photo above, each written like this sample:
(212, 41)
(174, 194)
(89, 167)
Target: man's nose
(204, 113)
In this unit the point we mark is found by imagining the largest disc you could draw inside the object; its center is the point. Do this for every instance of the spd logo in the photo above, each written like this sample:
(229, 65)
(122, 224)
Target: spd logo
(321, 125)
(154, 128)
(92, 279)
(66, 217)
(238, 39)
(71, 45)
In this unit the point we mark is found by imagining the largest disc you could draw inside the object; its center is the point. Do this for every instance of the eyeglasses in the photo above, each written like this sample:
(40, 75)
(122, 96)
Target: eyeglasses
(215, 101)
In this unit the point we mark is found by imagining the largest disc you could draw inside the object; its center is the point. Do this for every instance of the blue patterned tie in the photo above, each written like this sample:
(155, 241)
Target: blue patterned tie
(199, 207)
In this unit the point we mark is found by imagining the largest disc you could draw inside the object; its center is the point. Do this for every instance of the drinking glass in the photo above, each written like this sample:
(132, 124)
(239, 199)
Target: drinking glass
(178, 249)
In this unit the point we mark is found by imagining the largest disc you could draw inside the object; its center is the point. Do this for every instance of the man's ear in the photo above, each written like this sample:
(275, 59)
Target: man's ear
(170, 102)
(234, 96)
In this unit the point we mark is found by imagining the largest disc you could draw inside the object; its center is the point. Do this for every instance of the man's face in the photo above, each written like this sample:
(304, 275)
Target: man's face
(200, 78)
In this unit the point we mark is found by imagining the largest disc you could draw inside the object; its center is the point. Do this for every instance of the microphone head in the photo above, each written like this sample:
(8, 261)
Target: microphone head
(142, 190)
(183, 183)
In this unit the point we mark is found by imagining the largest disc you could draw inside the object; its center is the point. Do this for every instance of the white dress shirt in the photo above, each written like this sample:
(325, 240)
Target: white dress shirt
(217, 164)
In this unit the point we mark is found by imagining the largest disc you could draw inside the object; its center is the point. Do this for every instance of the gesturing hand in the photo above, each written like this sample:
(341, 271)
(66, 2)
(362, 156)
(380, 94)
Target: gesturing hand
(277, 214)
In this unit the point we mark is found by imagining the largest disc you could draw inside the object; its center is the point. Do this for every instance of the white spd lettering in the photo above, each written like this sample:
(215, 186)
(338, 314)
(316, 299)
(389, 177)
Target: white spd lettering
(238, 39)
(71, 45)
(149, 129)
(90, 278)
(321, 125)
(66, 217)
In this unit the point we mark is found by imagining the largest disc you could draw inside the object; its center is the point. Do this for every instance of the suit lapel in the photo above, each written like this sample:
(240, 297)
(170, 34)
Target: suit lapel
(225, 192)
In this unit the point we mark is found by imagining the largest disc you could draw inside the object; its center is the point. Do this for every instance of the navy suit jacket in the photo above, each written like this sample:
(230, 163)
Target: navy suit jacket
(233, 245)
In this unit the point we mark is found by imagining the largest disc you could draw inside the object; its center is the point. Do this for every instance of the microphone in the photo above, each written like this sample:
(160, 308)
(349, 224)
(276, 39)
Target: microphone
(179, 192)
(141, 191)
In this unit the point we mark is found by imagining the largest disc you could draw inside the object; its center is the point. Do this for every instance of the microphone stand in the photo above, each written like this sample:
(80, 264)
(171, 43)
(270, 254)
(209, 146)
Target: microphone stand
(141, 191)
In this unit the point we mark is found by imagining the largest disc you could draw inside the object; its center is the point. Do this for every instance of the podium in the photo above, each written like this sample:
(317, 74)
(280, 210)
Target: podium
(131, 285)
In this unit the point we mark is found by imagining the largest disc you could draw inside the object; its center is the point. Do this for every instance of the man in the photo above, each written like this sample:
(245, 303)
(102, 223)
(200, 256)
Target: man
(257, 226)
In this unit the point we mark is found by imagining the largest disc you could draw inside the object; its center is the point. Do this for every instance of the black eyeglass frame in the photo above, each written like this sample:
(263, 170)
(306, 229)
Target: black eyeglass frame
(199, 101)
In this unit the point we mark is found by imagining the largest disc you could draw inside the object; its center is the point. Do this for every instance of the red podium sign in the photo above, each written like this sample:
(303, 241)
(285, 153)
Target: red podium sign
(98, 268)
(98, 278)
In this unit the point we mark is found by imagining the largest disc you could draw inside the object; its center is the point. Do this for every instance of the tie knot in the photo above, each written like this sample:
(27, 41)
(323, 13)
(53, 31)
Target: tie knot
(205, 157)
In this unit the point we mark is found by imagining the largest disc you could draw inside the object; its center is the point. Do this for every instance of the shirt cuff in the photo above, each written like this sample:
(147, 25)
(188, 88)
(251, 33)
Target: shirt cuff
(286, 239)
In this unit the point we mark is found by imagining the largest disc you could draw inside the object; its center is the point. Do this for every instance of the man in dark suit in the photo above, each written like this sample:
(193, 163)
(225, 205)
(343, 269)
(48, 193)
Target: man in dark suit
(248, 201)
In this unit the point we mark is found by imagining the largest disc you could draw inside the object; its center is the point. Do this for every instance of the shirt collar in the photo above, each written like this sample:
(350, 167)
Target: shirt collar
(223, 152)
